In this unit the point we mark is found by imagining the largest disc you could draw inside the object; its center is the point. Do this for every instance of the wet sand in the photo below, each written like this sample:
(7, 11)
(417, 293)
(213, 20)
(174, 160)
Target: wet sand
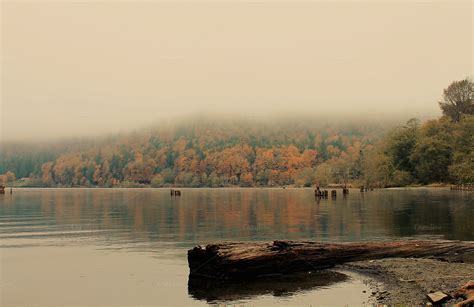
(398, 281)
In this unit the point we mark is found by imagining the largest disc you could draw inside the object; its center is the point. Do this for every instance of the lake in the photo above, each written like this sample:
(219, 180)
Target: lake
(128, 246)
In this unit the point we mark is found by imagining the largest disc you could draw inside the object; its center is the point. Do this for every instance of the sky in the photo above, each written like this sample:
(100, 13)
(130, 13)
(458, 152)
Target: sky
(93, 67)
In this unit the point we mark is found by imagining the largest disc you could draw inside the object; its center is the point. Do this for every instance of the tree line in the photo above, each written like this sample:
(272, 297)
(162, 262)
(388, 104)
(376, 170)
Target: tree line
(240, 153)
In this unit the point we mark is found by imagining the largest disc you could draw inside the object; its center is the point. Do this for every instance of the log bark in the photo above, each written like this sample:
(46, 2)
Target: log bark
(237, 261)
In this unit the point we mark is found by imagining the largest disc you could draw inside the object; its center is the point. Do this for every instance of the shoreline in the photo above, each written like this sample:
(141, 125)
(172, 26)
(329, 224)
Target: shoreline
(407, 281)
(235, 187)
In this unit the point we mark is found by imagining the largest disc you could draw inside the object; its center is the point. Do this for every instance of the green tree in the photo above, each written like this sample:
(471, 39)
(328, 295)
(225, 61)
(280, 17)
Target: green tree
(458, 100)
(463, 171)
(157, 181)
(462, 168)
(168, 175)
(324, 175)
(377, 168)
(431, 158)
(401, 144)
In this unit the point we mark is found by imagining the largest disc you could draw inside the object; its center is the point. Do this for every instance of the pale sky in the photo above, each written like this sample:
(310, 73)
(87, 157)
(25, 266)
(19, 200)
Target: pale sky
(94, 67)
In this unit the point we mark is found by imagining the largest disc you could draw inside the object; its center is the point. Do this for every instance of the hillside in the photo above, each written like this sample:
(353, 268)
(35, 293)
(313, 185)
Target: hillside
(219, 153)
(197, 153)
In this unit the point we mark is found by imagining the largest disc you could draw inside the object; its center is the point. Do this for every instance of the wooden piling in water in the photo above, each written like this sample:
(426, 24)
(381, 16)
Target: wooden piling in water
(463, 187)
(174, 192)
(321, 193)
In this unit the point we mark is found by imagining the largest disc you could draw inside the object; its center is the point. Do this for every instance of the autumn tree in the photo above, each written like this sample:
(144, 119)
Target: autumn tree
(8, 177)
(247, 180)
(205, 154)
(140, 170)
(47, 176)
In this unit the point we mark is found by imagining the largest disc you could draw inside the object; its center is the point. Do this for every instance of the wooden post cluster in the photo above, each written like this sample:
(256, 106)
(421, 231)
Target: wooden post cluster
(174, 192)
(318, 193)
(321, 193)
(463, 187)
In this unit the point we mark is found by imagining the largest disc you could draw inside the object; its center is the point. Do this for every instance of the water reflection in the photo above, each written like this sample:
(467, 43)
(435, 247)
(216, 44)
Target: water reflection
(151, 216)
(214, 291)
(55, 241)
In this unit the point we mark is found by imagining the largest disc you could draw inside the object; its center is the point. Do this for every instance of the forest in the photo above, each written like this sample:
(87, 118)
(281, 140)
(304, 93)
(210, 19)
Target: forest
(248, 153)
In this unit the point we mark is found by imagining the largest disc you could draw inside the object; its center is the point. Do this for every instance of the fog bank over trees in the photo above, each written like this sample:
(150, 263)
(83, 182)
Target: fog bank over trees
(82, 68)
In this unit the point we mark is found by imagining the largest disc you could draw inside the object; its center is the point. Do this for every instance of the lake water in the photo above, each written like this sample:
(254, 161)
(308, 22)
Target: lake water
(128, 246)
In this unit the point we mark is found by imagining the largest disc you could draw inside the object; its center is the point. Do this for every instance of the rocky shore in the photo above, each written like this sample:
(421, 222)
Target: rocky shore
(408, 281)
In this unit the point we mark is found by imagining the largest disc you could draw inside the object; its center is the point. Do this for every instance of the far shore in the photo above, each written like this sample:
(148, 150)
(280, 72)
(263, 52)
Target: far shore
(147, 186)
(433, 186)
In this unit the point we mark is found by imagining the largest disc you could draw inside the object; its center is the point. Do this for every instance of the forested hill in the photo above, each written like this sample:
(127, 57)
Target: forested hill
(250, 153)
(200, 153)
(299, 152)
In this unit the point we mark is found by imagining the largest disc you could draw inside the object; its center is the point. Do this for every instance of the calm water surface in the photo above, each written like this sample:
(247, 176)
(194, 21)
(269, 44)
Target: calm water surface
(128, 246)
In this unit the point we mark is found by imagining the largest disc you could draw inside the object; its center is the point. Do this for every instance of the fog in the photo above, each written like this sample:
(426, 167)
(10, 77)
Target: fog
(88, 68)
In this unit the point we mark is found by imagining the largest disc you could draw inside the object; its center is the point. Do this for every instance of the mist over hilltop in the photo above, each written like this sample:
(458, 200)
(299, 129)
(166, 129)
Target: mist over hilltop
(75, 69)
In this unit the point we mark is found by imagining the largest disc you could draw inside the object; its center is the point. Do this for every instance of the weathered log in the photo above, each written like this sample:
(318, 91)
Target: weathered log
(233, 261)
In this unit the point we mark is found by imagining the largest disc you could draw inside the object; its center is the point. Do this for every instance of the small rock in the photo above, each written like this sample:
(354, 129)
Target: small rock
(437, 297)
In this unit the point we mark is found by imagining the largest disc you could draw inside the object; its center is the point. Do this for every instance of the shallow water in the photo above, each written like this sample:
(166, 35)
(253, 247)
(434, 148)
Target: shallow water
(128, 246)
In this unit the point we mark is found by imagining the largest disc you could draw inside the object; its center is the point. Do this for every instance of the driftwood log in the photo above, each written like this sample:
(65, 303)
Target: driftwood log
(240, 261)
